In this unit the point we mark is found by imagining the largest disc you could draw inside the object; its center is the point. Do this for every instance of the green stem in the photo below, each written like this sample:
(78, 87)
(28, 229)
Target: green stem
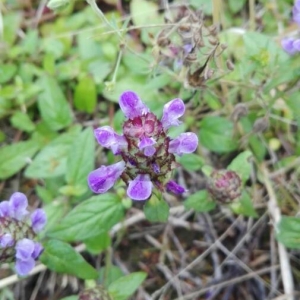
(99, 12)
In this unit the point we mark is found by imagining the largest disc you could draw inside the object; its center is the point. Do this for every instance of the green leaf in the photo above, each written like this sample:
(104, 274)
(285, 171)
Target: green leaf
(236, 6)
(90, 218)
(143, 12)
(70, 298)
(62, 258)
(191, 162)
(124, 287)
(241, 165)
(200, 201)
(216, 134)
(288, 232)
(22, 121)
(98, 243)
(14, 157)
(7, 71)
(52, 160)
(244, 206)
(81, 159)
(53, 105)
(109, 275)
(85, 98)
(156, 210)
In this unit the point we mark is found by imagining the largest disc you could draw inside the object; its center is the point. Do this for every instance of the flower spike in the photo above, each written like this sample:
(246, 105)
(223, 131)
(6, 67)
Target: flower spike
(146, 150)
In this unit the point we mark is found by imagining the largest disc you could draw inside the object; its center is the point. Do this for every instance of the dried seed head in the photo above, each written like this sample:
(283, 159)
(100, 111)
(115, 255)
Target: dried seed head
(230, 65)
(163, 41)
(224, 186)
(261, 124)
(239, 111)
(190, 58)
(213, 41)
(212, 30)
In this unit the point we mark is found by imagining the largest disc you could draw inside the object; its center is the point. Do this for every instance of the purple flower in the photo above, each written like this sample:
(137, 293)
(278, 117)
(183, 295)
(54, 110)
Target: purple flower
(174, 187)
(288, 45)
(5, 209)
(18, 203)
(38, 220)
(131, 105)
(107, 138)
(185, 143)
(173, 110)
(296, 12)
(140, 188)
(296, 45)
(102, 179)
(146, 150)
(27, 251)
(6, 240)
(17, 234)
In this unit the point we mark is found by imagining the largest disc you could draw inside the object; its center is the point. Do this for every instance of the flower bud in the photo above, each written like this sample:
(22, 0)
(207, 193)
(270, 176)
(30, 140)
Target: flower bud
(224, 186)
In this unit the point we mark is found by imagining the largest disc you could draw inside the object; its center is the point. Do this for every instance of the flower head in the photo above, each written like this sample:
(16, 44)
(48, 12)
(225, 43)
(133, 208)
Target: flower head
(224, 185)
(17, 234)
(148, 153)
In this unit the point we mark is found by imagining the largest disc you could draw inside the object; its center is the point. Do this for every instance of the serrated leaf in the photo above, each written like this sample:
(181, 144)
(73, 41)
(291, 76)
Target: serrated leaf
(156, 210)
(216, 134)
(124, 287)
(14, 157)
(53, 105)
(288, 232)
(60, 257)
(52, 160)
(7, 71)
(200, 201)
(85, 97)
(90, 218)
(80, 160)
(241, 165)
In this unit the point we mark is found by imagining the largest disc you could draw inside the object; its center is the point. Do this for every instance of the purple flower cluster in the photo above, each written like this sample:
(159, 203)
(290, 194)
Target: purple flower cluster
(289, 44)
(16, 235)
(148, 154)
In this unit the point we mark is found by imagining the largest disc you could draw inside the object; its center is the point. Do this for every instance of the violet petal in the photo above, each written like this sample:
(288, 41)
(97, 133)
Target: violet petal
(5, 209)
(175, 188)
(107, 138)
(23, 267)
(24, 249)
(172, 111)
(102, 179)
(6, 240)
(149, 151)
(18, 203)
(296, 45)
(38, 220)
(185, 143)
(140, 188)
(131, 105)
(287, 45)
(38, 249)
